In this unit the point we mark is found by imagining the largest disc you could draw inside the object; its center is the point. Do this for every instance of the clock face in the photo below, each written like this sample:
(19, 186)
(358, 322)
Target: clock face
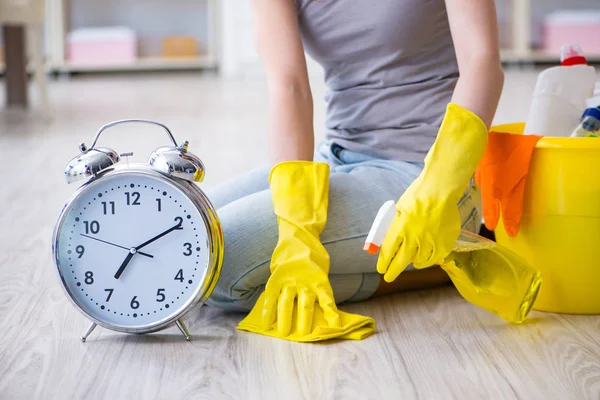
(133, 250)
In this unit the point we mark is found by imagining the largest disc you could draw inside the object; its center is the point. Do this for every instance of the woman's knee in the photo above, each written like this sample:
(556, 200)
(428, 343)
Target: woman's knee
(251, 182)
(250, 231)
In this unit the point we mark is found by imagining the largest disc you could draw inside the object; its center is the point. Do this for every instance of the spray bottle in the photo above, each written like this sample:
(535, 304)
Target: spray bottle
(485, 274)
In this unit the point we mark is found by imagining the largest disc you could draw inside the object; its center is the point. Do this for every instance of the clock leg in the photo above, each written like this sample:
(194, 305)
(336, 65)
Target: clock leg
(183, 329)
(87, 333)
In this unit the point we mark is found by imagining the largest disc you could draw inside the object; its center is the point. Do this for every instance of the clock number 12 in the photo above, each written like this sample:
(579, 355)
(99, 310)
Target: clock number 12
(135, 196)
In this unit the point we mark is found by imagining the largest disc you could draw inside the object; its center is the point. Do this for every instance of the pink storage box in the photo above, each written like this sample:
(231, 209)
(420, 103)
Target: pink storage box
(102, 46)
(581, 26)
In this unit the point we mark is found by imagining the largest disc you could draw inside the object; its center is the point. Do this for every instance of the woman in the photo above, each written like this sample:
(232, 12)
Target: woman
(395, 70)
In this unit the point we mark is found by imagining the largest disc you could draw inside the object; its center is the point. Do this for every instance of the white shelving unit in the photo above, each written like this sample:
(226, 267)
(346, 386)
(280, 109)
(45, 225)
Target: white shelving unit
(521, 26)
(228, 42)
(144, 64)
(58, 24)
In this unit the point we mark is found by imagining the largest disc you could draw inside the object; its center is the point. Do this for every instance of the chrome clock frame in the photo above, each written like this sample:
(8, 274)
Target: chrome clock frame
(215, 239)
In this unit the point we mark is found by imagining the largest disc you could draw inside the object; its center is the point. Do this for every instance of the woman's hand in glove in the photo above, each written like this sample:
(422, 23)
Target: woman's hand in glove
(428, 220)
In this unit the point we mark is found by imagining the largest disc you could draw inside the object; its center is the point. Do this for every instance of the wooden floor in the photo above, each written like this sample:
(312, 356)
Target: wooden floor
(429, 345)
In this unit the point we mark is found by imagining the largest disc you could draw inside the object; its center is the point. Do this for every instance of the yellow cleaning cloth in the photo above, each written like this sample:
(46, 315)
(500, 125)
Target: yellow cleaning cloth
(298, 302)
(352, 326)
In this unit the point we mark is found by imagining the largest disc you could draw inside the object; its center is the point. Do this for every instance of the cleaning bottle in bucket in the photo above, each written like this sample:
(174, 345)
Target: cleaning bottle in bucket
(590, 120)
(560, 93)
(485, 274)
(590, 124)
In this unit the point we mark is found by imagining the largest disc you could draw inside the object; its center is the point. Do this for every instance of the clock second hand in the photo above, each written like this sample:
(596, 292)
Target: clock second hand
(134, 250)
(116, 245)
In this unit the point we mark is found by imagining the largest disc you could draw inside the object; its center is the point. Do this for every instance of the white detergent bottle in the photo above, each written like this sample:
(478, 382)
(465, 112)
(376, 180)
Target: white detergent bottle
(560, 93)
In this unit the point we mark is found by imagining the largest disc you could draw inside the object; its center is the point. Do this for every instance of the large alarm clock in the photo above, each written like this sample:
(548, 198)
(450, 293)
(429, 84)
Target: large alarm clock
(137, 246)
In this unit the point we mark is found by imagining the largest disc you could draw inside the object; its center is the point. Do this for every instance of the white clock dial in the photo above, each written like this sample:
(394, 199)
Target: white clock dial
(133, 250)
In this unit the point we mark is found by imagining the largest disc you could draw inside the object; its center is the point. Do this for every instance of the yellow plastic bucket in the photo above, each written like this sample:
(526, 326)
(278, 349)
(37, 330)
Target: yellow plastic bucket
(560, 228)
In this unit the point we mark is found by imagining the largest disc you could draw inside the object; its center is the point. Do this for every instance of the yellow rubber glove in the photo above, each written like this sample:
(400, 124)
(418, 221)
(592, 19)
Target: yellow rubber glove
(298, 302)
(428, 221)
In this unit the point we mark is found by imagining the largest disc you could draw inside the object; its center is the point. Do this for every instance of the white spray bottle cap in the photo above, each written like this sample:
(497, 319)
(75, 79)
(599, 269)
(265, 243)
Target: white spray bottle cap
(381, 225)
(572, 54)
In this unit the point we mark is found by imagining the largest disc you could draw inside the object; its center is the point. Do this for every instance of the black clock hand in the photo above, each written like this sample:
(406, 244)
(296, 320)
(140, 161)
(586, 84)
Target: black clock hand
(124, 264)
(116, 245)
(134, 250)
(146, 243)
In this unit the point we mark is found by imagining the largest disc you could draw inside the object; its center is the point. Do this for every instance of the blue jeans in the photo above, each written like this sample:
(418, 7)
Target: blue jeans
(358, 186)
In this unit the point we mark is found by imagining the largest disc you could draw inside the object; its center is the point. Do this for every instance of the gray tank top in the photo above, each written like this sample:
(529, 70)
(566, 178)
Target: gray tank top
(390, 70)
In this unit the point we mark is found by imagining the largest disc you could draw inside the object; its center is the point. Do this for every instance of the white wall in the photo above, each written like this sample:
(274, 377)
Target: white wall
(238, 53)
(239, 57)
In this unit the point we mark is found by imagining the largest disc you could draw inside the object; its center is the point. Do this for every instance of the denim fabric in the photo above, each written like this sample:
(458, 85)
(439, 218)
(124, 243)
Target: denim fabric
(359, 185)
